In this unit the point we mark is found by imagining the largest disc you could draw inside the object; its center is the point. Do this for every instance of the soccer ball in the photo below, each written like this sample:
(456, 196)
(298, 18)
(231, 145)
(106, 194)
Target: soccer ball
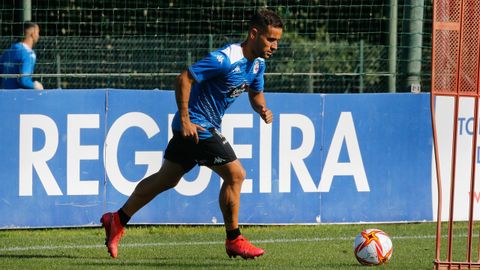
(373, 247)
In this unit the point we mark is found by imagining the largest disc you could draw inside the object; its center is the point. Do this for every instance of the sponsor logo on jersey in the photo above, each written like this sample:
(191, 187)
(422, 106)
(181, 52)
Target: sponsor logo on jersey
(237, 91)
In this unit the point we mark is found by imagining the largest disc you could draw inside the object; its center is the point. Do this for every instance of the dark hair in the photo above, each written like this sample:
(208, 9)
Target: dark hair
(28, 25)
(263, 18)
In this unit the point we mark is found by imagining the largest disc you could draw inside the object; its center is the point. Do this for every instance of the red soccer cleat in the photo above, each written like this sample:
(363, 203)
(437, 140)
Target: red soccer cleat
(113, 230)
(241, 247)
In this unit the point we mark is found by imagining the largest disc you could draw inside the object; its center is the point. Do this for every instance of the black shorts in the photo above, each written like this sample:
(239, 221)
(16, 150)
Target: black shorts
(208, 152)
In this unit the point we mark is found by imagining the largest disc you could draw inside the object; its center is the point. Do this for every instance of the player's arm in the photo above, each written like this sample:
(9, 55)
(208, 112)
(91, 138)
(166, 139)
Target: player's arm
(1, 69)
(257, 100)
(182, 95)
(214, 64)
(26, 68)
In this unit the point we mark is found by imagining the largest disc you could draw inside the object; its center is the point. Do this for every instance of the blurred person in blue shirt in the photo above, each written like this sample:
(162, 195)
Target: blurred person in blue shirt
(20, 59)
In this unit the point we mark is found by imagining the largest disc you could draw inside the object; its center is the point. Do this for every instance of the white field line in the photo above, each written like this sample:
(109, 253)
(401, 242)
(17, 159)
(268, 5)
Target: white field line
(200, 243)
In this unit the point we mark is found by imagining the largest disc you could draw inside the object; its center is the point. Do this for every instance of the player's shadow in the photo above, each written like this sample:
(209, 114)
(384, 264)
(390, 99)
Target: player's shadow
(341, 266)
(159, 263)
(162, 262)
(38, 256)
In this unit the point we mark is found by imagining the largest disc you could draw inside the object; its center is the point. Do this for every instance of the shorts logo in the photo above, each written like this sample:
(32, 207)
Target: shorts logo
(201, 162)
(218, 160)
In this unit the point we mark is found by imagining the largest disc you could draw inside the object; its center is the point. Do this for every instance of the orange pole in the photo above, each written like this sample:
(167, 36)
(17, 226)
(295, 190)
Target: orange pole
(439, 179)
(472, 181)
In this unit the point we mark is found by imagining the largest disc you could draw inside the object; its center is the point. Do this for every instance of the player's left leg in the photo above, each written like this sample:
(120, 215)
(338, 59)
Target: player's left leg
(167, 177)
(179, 159)
(233, 175)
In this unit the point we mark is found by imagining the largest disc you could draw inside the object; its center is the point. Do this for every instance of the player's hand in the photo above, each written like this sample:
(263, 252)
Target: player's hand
(37, 85)
(190, 131)
(266, 115)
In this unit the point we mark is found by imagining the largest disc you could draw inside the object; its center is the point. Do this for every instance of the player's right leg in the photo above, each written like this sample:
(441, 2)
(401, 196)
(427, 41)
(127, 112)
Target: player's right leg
(233, 175)
(167, 177)
(113, 232)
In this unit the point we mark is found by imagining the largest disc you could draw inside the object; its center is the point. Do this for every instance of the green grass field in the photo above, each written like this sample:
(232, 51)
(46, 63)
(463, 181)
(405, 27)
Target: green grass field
(202, 247)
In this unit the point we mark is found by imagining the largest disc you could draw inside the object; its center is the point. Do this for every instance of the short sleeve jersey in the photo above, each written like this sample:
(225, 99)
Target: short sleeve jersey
(220, 78)
(18, 59)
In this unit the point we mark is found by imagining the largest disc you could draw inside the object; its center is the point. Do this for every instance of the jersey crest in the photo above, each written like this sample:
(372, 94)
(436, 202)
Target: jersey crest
(256, 67)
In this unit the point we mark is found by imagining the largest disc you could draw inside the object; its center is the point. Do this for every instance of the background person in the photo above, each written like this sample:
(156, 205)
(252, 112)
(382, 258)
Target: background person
(20, 59)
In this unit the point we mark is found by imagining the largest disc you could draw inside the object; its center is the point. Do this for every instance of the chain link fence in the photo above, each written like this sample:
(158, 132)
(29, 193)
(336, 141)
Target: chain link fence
(328, 46)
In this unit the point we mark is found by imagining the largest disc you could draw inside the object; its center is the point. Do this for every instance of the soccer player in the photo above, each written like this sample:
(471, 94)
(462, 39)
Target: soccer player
(203, 93)
(20, 59)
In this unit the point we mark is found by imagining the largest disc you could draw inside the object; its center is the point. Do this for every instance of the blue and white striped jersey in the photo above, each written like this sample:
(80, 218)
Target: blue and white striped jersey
(220, 78)
(18, 59)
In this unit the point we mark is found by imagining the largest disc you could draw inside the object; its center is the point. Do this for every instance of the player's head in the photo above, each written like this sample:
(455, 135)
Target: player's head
(31, 31)
(264, 32)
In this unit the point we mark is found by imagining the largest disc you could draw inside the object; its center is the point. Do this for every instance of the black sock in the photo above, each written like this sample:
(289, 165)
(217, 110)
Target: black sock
(233, 234)
(124, 218)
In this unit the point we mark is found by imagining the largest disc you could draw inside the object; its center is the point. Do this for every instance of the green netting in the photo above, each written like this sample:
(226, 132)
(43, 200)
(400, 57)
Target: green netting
(328, 46)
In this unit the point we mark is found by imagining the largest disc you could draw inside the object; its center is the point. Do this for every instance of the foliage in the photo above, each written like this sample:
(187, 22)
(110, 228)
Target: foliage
(336, 64)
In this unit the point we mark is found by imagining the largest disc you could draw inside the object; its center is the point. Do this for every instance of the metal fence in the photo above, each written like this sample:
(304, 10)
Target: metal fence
(328, 46)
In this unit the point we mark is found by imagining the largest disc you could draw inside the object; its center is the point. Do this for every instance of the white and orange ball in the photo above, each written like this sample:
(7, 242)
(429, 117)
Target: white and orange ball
(373, 247)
